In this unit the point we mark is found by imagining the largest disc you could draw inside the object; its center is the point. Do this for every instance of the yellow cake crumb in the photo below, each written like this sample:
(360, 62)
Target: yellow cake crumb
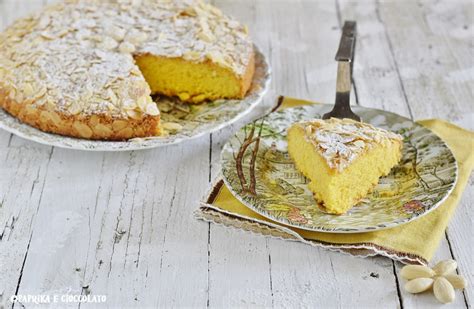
(343, 159)
(192, 82)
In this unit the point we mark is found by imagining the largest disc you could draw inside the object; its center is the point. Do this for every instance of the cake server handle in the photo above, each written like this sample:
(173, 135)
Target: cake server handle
(345, 59)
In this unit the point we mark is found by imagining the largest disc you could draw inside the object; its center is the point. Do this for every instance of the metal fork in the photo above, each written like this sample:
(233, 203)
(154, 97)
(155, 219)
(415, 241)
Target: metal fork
(345, 59)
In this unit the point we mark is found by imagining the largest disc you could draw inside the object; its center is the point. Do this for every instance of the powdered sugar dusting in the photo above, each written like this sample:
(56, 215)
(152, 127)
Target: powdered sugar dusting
(77, 57)
(341, 141)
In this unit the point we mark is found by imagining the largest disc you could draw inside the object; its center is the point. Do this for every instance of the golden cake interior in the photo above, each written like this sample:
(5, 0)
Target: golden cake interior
(193, 82)
(88, 68)
(343, 159)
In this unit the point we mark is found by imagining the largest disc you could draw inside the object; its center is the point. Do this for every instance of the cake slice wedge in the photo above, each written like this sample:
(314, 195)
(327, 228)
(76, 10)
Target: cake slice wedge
(342, 158)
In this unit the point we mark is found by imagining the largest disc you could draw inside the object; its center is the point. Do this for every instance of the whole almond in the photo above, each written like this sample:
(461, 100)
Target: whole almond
(443, 290)
(457, 281)
(445, 267)
(418, 285)
(410, 272)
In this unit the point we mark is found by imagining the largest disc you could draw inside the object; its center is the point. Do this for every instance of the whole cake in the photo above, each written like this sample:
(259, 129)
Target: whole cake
(87, 68)
(343, 159)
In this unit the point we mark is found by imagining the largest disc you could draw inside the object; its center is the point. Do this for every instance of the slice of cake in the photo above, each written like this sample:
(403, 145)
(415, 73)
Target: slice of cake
(342, 158)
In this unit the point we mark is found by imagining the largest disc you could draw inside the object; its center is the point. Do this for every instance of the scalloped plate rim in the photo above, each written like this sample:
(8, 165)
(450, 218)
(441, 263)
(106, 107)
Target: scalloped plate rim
(342, 230)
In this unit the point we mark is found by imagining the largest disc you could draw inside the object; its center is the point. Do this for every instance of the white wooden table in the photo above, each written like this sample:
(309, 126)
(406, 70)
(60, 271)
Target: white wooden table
(121, 224)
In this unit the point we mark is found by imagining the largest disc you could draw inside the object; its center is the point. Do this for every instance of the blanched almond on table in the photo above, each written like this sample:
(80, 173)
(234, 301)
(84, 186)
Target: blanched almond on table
(416, 271)
(443, 290)
(418, 285)
(445, 267)
(457, 281)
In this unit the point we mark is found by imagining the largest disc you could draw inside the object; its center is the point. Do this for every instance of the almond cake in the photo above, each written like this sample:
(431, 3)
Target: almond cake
(87, 68)
(342, 158)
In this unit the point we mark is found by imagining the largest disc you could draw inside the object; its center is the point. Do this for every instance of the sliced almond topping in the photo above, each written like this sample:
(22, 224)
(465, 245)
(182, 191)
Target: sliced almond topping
(127, 132)
(142, 102)
(134, 114)
(28, 90)
(359, 143)
(118, 125)
(206, 36)
(127, 48)
(129, 104)
(55, 118)
(75, 108)
(191, 55)
(94, 120)
(172, 126)
(136, 37)
(44, 117)
(41, 93)
(82, 129)
(102, 130)
(44, 22)
(108, 43)
(218, 58)
(112, 96)
(152, 109)
(117, 33)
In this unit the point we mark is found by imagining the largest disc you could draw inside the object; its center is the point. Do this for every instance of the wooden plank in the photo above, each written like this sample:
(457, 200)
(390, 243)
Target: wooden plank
(433, 55)
(238, 261)
(426, 54)
(123, 228)
(21, 190)
(116, 242)
(460, 234)
(380, 84)
(239, 273)
(375, 76)
(286, 265)
(21, 185)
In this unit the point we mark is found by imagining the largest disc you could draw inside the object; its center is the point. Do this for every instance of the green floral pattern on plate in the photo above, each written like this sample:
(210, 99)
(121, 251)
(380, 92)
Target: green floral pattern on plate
(258, 171)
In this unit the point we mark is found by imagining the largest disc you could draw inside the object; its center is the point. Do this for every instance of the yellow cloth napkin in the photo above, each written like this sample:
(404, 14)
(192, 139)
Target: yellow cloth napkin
(414, 242)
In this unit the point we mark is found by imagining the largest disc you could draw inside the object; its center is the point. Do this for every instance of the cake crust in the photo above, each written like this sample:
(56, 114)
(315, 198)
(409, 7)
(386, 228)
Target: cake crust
(341, 141)
(342, 158)
(70, 69)
(93, 127)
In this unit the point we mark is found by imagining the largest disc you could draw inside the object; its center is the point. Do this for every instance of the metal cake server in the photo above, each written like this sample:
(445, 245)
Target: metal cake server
(345, 59)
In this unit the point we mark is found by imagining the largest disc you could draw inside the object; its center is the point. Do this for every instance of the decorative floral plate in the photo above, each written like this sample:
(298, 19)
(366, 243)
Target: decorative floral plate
(258, 171)
(181, 122)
